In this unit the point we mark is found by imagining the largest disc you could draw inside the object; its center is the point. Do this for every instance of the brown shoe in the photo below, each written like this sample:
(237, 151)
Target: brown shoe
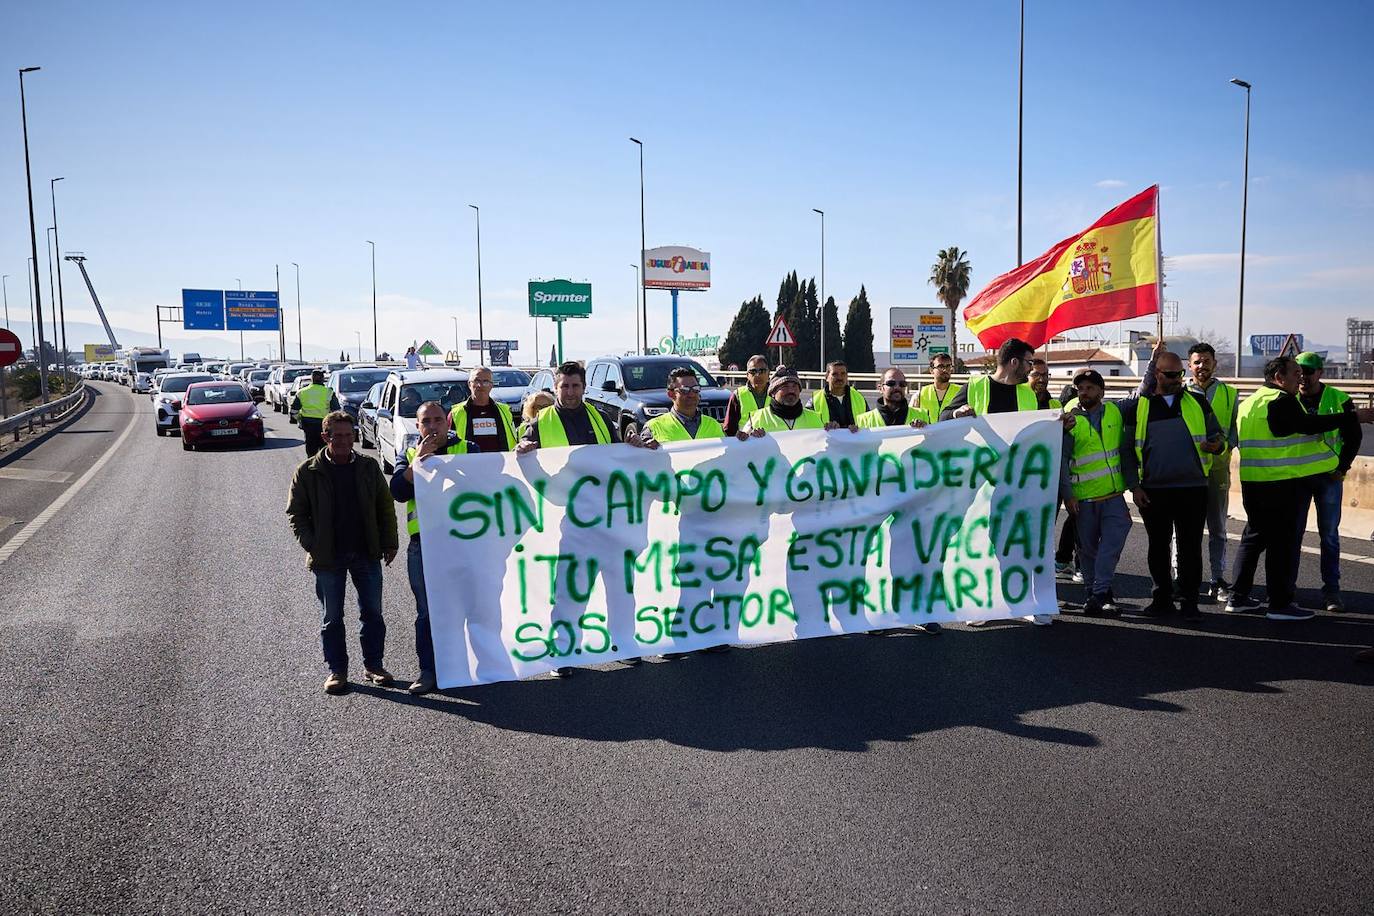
(336, 683)
(379, 676)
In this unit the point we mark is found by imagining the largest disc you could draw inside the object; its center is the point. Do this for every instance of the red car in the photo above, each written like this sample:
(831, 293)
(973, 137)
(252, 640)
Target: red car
(218, 412)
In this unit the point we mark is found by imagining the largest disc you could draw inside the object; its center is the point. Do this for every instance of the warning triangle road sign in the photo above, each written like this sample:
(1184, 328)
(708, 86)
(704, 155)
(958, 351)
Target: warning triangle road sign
(781, 335)
(1290, 346)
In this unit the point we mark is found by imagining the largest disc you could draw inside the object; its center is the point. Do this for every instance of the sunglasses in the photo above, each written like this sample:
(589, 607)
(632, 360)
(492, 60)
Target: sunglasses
(689, 389)
(756, 372)
(893, 383)
(1176, 374)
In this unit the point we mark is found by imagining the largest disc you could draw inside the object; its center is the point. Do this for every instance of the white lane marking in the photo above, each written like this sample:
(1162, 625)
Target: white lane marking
(42, 518)
(1314, 551)
(35, 474)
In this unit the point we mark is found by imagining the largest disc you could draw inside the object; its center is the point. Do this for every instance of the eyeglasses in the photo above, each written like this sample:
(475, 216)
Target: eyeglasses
(756, 371)
(1176, 374)
(894, 383)
(481, 381)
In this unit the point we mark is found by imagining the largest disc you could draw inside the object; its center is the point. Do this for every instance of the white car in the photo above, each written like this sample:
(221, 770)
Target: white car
(402, 394)
(279, 389)
(142, 382)
(167, 401)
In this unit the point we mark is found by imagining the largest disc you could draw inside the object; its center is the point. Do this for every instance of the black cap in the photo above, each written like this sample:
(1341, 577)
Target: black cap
(1089, 375)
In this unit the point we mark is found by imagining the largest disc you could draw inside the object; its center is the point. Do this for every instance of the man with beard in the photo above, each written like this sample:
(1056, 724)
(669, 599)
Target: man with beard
(838, 400)
(784, 409)
(1103, 521)
(1039, 380)
(933, 398)
(747, 399)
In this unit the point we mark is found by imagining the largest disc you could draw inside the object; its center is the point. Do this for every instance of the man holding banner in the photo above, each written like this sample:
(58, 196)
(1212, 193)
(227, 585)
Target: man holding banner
(934, 397)
(839, 401)
(747, 399)
(1005, 391)
(436, 438)
(784, 409)
(684, 421)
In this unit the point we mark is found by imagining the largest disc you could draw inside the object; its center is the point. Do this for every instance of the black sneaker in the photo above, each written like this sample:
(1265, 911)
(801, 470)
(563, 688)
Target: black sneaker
(1189, 610)
(1157, 609)
(1095, 606)
(932, 628)
(1333, 603)
(562, 672)
(1241, 604)
(1292, 612)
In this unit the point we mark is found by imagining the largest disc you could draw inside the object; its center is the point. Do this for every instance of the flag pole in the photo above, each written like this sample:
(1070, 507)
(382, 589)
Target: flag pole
(1159, 272)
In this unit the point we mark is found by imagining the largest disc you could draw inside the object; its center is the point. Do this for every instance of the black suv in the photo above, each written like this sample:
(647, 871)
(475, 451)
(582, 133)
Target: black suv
(631, 390)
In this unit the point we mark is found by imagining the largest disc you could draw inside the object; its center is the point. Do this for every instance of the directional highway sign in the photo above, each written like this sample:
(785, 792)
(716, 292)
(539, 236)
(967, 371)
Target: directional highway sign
(202, 309)
(247, 310)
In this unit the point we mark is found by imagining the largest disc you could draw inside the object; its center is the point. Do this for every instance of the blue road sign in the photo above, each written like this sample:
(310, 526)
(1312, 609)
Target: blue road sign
(202, 309)
(248, 310)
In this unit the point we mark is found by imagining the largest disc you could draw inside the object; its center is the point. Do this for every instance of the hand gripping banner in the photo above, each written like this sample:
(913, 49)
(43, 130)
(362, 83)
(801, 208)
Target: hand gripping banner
(578, 556)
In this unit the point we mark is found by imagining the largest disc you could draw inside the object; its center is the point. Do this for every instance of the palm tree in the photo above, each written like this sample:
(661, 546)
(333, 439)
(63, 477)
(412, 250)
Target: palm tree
(949, 275)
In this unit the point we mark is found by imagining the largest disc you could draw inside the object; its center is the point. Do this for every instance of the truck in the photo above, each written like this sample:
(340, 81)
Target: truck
(141, 362)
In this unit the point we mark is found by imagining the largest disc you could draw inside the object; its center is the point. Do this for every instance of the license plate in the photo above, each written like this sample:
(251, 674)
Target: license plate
(224, 432)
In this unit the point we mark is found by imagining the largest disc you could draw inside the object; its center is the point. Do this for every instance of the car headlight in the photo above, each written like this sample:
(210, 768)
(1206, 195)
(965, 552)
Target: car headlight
(656, 411)
(190, 422)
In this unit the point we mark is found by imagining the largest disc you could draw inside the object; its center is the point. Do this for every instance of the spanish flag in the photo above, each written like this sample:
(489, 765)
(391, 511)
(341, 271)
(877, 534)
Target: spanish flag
(1108, 272)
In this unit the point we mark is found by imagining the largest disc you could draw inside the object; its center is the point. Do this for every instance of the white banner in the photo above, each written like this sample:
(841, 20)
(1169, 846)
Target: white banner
(577, 556)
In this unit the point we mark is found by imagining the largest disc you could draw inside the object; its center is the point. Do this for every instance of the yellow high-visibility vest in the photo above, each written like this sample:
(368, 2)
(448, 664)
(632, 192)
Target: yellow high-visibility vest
(980, 392)
(459, 417)
(668, 428)
(873, 419)
(1192, 417)
(1266, 457)
(1095, 465)
(768, 421)
(553, 435)
(821, 404)
(314, 401)
(413, 515)
(930, 401)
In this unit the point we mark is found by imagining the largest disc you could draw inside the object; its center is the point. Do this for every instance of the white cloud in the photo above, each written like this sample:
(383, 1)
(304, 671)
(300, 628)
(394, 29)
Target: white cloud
(1110, 183)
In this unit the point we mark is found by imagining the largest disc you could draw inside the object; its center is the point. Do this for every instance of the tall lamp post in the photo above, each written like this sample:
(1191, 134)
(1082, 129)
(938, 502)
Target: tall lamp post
(47, 237)
(61, 300)
(33, 243)
(5, 287)
(374, 306)
(822, 213)
(457, 351)
(643, 298)
(638, 268)
(1020, 117)
(360, 345)
(300, 341)
(481, 334)
(1244, 204)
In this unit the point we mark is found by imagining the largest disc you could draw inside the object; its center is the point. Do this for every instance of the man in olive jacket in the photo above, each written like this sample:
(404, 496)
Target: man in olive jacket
(341, 512)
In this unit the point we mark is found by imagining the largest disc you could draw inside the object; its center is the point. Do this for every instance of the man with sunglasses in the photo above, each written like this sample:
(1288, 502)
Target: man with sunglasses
(1281, 445)
(746, 400)
(1321, 399)
(1168, 443)
(684, 421)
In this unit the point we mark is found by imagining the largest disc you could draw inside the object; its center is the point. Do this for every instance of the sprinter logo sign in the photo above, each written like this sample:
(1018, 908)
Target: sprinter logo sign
(560, 299)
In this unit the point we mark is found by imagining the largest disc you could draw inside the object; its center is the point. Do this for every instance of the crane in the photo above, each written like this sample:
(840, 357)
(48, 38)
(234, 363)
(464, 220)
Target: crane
(80, 260)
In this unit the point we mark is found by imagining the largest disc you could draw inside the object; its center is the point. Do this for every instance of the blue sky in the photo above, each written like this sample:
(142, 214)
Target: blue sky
(201, 143)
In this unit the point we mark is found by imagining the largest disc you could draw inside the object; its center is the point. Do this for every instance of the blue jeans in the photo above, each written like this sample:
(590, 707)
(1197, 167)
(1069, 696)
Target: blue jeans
(424, 641)
(329, 588)
(1326, 492)
(1103, 528)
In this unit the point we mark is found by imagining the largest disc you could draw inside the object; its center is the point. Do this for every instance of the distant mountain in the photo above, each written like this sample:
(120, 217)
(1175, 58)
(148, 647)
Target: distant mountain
(224, 345)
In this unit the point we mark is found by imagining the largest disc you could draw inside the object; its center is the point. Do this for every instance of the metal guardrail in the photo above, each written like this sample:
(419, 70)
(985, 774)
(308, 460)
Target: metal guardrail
(42, 416)
(1360, 390)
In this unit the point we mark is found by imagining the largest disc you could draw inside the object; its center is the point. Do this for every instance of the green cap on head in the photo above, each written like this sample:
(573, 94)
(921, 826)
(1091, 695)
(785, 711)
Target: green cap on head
(1310, 360)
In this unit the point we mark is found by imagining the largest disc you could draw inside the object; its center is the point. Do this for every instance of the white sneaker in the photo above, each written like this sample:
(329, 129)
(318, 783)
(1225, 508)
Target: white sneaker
(1040, 620)
(1077, 577)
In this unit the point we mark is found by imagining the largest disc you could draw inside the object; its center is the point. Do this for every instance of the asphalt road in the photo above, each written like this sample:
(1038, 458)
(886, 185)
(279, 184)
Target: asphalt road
(169, 748)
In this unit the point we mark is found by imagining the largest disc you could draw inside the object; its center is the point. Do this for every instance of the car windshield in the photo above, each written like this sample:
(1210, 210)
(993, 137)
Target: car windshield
(447, 393)
(290, 375)
(509, 378)
(220, 394)
(176, 383)
(260, 375)
(360, 380)
(642, 376)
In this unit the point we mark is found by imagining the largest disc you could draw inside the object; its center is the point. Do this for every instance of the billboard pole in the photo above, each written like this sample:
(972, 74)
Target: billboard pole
(643, 294)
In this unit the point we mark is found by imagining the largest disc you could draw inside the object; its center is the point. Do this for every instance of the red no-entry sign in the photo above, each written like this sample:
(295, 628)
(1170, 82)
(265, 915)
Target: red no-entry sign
(10, 348)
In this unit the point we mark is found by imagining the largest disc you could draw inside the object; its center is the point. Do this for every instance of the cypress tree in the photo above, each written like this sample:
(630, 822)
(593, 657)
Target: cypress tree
(858, 334)
(830, 322)
(747, 334)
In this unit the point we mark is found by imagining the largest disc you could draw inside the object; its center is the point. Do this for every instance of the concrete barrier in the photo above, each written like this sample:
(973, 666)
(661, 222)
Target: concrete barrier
(1357, 500)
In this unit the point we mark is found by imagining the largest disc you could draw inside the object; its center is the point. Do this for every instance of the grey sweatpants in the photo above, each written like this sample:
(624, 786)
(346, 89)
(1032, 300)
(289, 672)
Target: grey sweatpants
(1103, 527)
(1218, 498)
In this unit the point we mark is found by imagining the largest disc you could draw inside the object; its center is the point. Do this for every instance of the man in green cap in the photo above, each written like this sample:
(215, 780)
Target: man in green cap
(1325, 490)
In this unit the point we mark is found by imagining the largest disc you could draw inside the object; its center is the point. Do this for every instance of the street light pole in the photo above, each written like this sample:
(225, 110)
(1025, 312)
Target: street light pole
(822, 213)
(240, 285)
(5, 287)
(481, 333)
(33, 242)
(457, 352)
(1244, 205)
(1020, 118)
(360, 345)
(61, 300)
(635, 308)
(643, 296)
(47, 237)
(300, 341)
(374, 306)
